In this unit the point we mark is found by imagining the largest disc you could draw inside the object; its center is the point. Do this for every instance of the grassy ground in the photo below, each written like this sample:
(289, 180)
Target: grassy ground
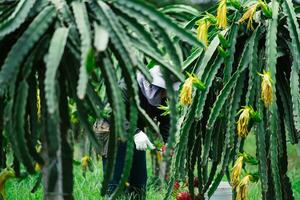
(87, 188)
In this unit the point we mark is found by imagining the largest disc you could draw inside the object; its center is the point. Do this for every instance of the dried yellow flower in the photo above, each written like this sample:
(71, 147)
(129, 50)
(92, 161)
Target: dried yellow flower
(236, 171)
(37, 167)
(243, 121)
(38, 104)
(187, 89)
(202, 30)
(266, 88)
(85, 161)
(159, 156)
(221, 14)
(38, 147)
(248, 15)
(242, 188)
(186, 92)
(4, 176)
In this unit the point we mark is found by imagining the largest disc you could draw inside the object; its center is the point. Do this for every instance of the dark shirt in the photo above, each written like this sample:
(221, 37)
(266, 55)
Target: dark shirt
(152, 111)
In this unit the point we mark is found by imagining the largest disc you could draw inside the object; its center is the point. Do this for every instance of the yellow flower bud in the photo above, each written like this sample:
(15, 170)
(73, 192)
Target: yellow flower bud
(221, 14)
(266, 88)
(248, 15)
(127, 184)
(236, 171)
(203, 25)
(38, 147)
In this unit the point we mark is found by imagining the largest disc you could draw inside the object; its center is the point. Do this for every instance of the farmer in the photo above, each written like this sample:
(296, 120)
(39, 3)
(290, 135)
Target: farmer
(151, 96)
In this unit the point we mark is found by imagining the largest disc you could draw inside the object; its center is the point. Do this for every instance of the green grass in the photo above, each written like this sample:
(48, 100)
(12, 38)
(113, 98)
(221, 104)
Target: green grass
(84, 188)
(87, 188)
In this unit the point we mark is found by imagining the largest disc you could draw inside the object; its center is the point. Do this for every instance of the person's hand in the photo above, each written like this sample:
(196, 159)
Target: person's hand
(142, 141)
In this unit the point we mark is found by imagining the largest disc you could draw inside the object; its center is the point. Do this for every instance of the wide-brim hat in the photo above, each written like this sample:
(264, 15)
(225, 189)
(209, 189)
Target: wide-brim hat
(158, 78)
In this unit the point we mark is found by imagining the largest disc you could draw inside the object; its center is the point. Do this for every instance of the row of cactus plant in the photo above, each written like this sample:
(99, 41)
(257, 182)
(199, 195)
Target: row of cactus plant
(249, 75)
